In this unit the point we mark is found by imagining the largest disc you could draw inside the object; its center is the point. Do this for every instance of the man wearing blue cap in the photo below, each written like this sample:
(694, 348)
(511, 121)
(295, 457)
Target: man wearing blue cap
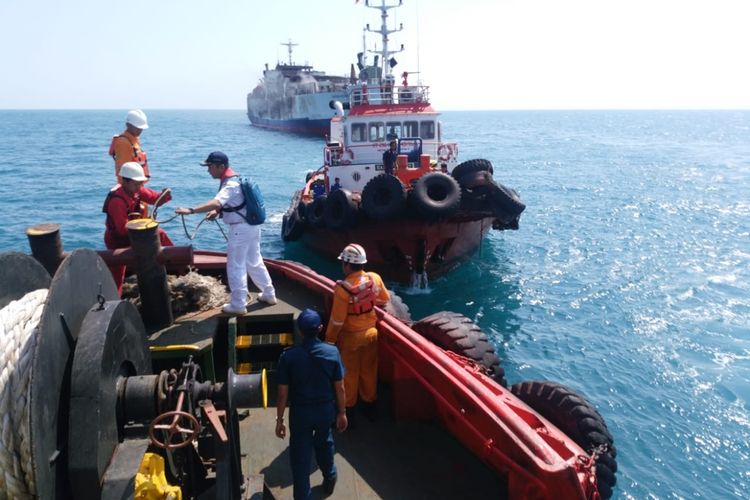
(311, 377)
(243, 239)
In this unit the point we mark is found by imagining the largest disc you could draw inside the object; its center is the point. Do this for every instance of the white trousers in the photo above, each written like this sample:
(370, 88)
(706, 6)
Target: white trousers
(243, 258)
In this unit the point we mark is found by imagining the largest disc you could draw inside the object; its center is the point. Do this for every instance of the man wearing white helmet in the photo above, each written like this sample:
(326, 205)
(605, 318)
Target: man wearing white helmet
(126, 147)
(122, 204)
(352, 328)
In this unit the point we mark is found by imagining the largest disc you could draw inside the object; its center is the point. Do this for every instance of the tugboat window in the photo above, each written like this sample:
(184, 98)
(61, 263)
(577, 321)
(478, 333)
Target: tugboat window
(427, 130)
(394, 130)
(377, 132)
(411, 129)
(358, 132)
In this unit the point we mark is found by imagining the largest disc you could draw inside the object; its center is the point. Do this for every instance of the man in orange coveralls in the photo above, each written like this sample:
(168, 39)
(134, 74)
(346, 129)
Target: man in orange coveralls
(352, 328)
(126, 147)
(123, 203)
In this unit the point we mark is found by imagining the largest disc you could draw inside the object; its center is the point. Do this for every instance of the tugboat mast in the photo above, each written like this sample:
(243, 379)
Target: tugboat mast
(385, 54)
(289, 44)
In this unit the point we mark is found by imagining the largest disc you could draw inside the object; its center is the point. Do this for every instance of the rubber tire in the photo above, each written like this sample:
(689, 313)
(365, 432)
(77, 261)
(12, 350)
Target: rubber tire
(435, 195)
(315, 211)
(505, 201)
(292, 227)
(473, 180)
(467, 167)
(456, 333)
(340, 211)
(577, 418)
(383, 197)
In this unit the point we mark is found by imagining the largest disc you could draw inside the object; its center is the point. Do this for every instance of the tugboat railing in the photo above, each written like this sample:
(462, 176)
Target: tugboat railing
(363, 94)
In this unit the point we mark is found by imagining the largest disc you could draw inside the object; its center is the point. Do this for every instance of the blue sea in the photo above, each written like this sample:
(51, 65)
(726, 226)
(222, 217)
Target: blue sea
(628, 280)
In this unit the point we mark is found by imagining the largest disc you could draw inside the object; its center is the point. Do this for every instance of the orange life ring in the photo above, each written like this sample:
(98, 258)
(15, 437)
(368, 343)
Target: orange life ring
(445, 152)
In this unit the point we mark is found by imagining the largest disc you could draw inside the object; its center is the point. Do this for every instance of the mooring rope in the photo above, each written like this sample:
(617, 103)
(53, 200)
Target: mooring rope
(18, 326)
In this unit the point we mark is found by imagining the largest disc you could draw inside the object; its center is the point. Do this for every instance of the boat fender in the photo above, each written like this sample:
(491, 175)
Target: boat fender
(340, 211)
(435, 195)
(505, 201)
(292, 226)
(315, 210)
(383, 197)
(456, 333)
(474, 180)
(578, 419)
(469, 166)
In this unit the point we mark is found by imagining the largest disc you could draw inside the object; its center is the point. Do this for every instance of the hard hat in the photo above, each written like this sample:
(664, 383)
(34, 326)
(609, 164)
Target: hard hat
(132, 170)
(353, 254)
(137, 118)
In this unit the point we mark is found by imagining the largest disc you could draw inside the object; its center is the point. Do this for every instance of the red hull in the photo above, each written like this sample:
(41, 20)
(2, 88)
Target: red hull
(398, 249)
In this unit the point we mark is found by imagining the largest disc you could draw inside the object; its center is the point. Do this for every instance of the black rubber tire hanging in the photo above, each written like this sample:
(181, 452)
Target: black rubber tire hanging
(578, 419)
(456, 333)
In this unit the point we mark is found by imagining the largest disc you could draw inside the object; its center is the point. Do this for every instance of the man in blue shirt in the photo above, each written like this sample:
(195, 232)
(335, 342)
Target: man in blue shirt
(311, 377)
(389, 157)
(336, 185)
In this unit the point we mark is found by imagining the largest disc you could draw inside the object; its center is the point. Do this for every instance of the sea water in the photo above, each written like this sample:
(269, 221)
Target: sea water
(628, 280)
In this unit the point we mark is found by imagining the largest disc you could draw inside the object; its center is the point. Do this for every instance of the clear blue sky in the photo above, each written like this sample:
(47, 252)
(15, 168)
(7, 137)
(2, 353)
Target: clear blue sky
(475, 54)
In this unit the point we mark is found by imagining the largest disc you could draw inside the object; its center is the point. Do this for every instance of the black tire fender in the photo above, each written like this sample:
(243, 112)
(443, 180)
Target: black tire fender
(467, 167)
(292, 227)
(578, 419)
(383, 197)
(435, 195)
(473, 180)
(505, 201)
(315, 210)
(456, 333)
(340, 211)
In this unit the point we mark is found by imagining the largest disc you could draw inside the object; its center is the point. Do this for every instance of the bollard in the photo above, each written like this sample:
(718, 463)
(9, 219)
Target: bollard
(46, 246)
(156, 306)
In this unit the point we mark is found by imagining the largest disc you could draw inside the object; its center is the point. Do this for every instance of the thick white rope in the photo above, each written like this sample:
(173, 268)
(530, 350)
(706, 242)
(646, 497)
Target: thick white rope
(18, 325)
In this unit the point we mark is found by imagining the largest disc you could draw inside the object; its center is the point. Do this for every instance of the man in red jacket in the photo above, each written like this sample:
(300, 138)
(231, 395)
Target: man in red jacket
(123, 203)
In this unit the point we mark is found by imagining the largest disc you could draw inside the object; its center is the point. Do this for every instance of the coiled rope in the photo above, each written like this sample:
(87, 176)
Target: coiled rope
(19, 321)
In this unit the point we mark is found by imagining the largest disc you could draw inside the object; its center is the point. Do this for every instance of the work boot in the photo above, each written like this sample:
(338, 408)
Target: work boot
(370, 410)
(329, 483)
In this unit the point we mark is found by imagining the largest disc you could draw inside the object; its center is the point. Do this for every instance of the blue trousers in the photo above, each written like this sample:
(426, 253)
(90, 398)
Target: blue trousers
(310, 429)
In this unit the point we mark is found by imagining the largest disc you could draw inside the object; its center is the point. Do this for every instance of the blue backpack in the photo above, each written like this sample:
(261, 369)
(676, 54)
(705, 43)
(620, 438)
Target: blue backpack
(255, 212)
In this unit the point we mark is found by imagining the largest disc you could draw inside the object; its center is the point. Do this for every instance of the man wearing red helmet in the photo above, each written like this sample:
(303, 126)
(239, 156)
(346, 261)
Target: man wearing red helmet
(352, 327)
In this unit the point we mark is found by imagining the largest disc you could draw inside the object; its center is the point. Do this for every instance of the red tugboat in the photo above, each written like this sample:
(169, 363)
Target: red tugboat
(417, 218)
(148, 401)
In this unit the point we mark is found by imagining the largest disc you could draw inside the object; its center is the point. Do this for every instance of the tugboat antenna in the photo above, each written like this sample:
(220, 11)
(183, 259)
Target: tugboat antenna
(289, 46)
(385, 54)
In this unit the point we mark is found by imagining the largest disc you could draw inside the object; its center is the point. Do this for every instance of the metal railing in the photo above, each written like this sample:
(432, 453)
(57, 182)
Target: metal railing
(361, 94)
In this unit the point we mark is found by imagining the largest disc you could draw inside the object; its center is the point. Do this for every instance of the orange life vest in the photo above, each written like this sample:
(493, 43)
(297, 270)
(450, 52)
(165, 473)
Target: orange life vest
(139, 155)
(361, 297)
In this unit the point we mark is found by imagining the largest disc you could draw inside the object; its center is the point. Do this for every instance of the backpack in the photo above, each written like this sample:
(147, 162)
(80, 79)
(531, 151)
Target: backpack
(255, 212)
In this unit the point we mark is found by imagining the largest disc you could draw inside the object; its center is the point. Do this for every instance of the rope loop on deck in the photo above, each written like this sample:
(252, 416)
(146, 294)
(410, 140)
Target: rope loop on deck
(18, 326)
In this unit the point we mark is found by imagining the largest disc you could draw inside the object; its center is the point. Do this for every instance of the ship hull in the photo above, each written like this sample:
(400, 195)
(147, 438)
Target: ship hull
(406, 250)
(307, 126)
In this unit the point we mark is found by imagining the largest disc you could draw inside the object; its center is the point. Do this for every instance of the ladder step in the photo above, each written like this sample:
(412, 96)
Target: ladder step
(268, 339)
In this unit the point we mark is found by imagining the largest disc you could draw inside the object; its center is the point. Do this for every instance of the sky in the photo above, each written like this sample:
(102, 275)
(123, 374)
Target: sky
(474, 54)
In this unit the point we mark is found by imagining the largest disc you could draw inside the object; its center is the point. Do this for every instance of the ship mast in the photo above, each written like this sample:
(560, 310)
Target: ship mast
(385, 54)
(289, 44)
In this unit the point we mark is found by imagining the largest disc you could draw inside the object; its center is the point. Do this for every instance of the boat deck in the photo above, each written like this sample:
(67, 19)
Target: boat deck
(381, 459)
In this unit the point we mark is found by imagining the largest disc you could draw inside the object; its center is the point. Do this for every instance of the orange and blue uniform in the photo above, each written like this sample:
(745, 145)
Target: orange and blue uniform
(352, 328)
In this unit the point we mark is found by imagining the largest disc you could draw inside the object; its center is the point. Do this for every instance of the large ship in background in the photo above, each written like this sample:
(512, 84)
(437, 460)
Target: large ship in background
(295, 98)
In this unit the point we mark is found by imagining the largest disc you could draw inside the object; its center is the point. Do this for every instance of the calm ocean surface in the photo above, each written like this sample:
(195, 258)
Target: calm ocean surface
(629, 279)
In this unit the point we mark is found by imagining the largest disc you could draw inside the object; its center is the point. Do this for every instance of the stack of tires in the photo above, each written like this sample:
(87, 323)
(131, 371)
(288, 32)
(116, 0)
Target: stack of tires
(482, 193)
(434, 196)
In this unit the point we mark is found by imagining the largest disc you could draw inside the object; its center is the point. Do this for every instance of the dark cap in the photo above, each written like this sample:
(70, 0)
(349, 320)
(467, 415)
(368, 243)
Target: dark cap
(216, 157)
(308, 321)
